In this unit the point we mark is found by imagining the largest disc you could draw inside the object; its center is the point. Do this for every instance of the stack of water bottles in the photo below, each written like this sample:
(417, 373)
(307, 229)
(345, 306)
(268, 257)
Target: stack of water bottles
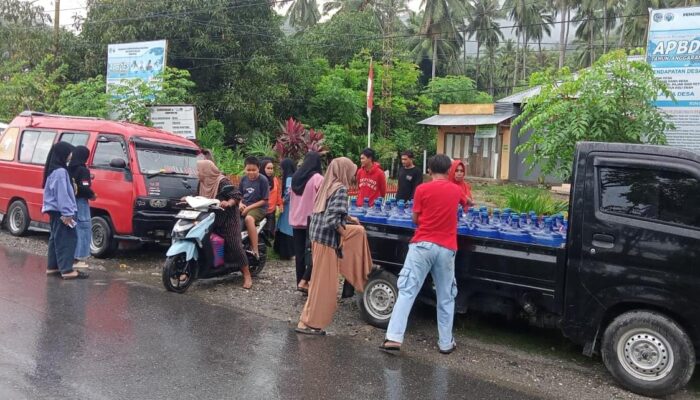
(477, 221)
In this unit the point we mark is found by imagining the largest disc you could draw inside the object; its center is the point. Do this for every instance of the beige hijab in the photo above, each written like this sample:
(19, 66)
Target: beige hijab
(209, 178)
(340, 173)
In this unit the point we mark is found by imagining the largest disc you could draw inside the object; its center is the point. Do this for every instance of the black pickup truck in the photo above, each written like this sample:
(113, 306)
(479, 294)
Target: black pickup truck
(626, 284)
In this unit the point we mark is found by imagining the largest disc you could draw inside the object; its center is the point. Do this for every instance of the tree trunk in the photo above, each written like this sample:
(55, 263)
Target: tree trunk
(525, 42)
(562, 34)
(539, 52)
(476, 79)
(590, 41)
(435, 38)
(621, 40)
(491, 76)
(605, 27)
(464, 45)
(515, 62)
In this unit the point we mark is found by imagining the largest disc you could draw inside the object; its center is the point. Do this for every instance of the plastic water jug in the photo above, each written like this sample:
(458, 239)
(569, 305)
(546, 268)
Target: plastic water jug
(514, 232)
(546, 236)
(376, 214)
(401, 217)
(355, 211)
(483, 229)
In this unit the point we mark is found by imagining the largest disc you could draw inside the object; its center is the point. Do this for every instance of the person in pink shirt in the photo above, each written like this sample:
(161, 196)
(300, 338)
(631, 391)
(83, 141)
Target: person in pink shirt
(306, 182)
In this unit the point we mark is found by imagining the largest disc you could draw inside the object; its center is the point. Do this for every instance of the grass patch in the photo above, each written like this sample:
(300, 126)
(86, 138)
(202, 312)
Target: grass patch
(519, 198)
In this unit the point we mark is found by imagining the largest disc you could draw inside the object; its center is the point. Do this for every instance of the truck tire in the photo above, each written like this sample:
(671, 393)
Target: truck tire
(103, 243)
(378, 298)
(17, 218)
(648, 353)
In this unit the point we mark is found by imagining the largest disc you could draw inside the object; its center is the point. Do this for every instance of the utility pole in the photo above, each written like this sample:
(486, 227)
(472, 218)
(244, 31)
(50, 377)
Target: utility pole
(56, 26)
(388, 53)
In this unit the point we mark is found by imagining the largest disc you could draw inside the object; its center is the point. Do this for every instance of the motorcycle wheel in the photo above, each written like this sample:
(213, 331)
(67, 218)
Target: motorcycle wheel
(175, 267)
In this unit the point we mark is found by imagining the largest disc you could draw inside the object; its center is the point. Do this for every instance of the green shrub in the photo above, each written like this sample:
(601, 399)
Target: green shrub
(534, 200)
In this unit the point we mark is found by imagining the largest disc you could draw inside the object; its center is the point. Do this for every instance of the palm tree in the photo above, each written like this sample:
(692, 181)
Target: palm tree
(517, 14)
(483, 25)
(303, 14)
(540, 23)
(507, 56)
(562, 8)
(343, 5)
(442, 20)
(634, 29)
(590, 25)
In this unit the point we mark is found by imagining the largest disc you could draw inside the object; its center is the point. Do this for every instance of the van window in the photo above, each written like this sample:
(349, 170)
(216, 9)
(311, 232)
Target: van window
(8, 142)
(666, 196)
(105, 152)
(75, 138)
(35, 146)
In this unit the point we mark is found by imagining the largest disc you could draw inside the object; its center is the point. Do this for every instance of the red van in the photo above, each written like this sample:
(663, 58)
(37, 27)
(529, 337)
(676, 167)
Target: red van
(138, 174)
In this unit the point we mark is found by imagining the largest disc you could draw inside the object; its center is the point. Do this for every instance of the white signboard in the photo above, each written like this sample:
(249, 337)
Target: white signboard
(180, 120)
(673, 51)
(140, 60)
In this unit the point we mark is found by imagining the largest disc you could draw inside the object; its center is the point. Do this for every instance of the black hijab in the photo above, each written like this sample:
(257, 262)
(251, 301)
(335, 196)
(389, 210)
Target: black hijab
(288, 169)
(79, 159)
(310, 167)
(270, 179)
(56, 159)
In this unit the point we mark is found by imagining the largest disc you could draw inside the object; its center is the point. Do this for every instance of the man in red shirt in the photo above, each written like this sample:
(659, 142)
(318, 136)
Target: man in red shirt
(371, 180)
(432, 250)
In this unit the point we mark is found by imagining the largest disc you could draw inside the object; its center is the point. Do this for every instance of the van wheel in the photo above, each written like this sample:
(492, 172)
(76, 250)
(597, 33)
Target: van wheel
(103, 243)
(378, 299)
(17, 218)
(648, 353)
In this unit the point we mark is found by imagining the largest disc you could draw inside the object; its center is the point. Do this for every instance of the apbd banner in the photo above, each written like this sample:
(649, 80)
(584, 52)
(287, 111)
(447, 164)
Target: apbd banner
(673, 51)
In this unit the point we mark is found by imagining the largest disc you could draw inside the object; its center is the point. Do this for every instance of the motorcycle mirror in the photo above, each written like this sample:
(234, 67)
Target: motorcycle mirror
(227, 189)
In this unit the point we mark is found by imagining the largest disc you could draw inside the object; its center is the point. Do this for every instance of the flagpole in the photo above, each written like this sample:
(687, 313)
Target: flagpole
(370, 102)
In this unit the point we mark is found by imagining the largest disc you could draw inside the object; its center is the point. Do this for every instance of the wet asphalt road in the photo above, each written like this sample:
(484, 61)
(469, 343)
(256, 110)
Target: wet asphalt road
(107, 338)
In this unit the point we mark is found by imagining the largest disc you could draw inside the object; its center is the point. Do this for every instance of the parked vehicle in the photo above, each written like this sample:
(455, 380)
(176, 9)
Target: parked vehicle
(624, 285)
(138, 174)
(198, 253)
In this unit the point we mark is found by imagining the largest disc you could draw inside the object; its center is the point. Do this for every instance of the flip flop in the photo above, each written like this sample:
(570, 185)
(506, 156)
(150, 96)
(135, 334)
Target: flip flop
(303, 290)
(310, 331)
(81, 275)
(384, 346)
(53, 271)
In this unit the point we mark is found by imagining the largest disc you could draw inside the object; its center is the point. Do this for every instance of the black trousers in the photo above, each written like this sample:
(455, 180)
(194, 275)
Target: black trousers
(300, 238)
(62, 243)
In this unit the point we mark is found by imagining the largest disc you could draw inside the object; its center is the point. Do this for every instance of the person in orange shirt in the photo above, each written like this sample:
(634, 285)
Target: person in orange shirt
(457, 175)
(275, 201)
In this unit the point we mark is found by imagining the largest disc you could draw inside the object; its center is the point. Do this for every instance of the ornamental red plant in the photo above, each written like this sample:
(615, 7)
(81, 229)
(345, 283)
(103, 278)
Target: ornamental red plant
(294, 140)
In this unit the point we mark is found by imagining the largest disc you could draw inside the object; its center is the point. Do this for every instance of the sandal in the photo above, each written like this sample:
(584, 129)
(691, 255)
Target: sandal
(53, 271)
(450, 350)
(79, 275)
(303, 290)
(310, 331)
(386, 347)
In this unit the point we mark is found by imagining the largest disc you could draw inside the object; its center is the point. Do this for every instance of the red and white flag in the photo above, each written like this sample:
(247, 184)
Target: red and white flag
(370, 90)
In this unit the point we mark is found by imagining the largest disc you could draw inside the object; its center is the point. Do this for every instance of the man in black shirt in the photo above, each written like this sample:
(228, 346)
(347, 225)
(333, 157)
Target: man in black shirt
(409, 177)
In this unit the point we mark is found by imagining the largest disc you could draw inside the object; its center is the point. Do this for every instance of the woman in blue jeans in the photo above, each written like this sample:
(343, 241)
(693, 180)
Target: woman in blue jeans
(59, 203)
(80, 176)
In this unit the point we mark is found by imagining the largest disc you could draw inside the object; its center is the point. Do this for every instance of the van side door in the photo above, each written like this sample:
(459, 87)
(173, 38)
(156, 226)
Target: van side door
(34, 147)
(112, 183)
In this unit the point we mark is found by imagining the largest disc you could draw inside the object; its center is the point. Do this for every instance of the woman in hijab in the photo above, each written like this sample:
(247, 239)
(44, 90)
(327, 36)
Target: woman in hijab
(338, 245)
(267, 167)
(80, 176)
(59, 203)
(306, 182)
(457, 175)
(284, 243)
(228, 221)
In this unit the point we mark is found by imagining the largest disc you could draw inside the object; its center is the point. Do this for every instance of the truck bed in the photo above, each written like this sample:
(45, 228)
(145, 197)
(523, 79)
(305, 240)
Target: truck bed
(484, 267)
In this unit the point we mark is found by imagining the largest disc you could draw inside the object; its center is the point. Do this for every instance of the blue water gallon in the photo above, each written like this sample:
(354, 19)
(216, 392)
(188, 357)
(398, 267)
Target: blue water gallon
(376, 214)
(401, 217)
(483, 229)
(355, 211)
(514, 232)
(546, 236)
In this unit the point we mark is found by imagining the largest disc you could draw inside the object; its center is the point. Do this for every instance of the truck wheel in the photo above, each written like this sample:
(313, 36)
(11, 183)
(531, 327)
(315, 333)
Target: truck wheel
(378, 299)
(17, 218)
(648, 353)
(103, 243)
